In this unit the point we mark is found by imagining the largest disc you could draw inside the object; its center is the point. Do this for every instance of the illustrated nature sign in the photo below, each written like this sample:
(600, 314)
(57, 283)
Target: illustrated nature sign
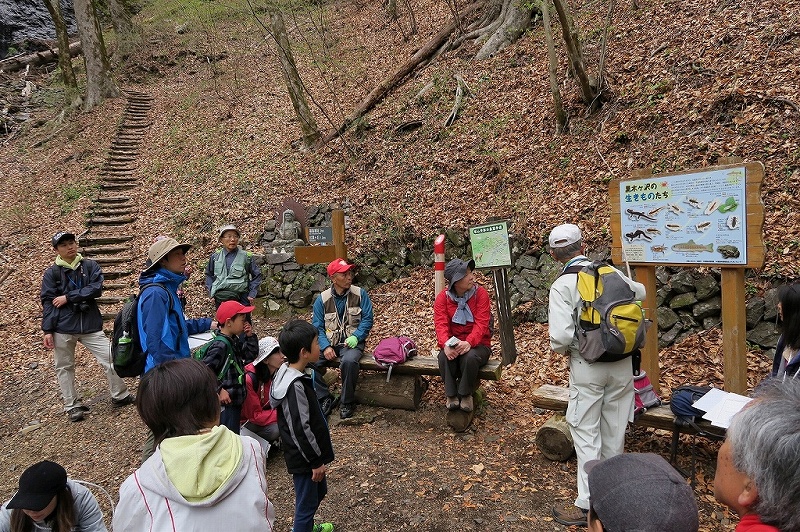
(698, 217)
(490, 245)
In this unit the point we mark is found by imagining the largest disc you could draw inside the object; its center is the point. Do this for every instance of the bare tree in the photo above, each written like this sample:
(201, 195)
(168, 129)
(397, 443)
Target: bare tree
(294, 84)
(589, 92)
(558, 105)
(71, 93)
(99, 83)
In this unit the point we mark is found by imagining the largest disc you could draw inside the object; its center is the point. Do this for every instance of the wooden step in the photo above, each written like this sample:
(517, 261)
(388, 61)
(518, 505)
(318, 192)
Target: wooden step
(98, 240)
(112, 199)
(117, 187)
(108, 213)
(104, 250)
(117, 220)
(115, 179)
(110, 287)
(111, 300)
(103, 261)
(117, 274)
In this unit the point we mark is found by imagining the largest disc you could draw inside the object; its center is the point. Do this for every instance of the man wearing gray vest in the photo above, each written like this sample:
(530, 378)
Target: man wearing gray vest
(232, 274)
(343, 317)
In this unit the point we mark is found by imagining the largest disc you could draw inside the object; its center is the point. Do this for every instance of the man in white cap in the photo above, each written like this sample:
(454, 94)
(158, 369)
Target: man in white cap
(343, 317)
(601, 393)
(232, 274)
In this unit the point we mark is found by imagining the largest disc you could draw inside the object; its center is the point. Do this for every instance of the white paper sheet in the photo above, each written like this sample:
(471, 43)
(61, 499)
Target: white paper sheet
(722, 413)
(196, 340)
(709, 400)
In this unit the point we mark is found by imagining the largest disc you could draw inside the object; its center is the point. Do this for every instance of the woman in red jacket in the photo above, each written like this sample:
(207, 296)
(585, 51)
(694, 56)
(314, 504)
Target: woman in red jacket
(462, 315)
(257, 415)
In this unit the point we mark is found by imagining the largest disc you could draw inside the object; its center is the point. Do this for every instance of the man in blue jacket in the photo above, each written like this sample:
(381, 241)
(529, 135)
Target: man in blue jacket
(70, 289)
(163, 329)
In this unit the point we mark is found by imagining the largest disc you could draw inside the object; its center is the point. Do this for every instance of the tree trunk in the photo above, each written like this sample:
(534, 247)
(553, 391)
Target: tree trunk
(64, 57)
(516, 17)
(554, 439)
(588, 92)
(99, 84)
(120, 18)
(558, 105)
(294, 84)
(422, 55)
(401, 391)
(13, 64)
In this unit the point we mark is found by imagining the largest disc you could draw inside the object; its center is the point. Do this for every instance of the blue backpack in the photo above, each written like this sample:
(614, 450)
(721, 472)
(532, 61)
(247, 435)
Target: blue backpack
(682, 400)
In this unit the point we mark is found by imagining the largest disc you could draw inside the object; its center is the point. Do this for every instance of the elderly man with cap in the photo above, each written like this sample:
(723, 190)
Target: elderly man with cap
(343, 317)
(462, 315)
(757, 465)
(163, 329)
(637, 492)
(47, 500)
(70, 314)
(600, 393)
(231, 273)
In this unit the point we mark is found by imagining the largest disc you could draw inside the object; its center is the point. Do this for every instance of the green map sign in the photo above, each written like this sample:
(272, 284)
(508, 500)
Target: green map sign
(490, 245)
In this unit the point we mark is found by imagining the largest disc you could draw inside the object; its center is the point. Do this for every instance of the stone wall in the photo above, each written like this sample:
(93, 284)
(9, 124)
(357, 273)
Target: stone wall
(689, 299)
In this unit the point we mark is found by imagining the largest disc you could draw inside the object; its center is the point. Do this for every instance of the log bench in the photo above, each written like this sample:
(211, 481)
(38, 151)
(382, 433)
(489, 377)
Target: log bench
(554, 447)
(405, 387)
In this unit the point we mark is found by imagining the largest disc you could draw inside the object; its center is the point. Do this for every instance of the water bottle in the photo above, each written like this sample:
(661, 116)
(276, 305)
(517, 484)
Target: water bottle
(124, 348)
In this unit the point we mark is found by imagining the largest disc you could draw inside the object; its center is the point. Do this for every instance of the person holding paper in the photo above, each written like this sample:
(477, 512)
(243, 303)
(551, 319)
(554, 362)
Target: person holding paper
(757, 464)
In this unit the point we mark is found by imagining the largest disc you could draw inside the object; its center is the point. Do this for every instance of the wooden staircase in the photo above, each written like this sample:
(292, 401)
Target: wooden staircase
(109, 234)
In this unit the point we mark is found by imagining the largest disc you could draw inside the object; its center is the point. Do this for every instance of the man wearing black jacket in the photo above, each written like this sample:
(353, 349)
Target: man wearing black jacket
(70, 314)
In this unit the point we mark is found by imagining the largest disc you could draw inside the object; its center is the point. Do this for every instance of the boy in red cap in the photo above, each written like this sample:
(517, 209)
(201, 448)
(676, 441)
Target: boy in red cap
(227, 356)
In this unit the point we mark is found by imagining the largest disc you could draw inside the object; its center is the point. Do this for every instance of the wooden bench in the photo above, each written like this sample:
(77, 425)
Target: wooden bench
(555, 398)
(405, 387)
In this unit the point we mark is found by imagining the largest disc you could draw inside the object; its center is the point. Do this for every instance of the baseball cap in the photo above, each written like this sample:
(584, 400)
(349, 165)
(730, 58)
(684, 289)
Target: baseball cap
(38, 485)
(266, 346)
(641, 492)
(161, 248)
(58, 237)
(456, 269)
(338, 266)
(225, 228)
(229, 309)
(565, 234)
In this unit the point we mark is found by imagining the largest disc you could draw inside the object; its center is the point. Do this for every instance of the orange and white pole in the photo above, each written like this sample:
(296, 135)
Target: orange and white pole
(438, 258)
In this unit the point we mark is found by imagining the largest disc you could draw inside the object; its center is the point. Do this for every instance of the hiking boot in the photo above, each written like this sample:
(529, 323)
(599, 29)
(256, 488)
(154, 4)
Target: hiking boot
(346, 411)
(323, 527)
(326, 405)
(76, 414)
(452, 403)
(570, 515)
(125, 401)
(466, 403)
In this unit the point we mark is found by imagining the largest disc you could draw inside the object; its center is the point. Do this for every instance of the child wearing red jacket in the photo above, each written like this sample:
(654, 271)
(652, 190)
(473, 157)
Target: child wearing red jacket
(257, 414)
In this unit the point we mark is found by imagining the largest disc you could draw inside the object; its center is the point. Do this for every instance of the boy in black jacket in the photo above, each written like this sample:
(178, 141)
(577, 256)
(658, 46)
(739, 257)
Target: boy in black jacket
(306, 441)
(226, 356)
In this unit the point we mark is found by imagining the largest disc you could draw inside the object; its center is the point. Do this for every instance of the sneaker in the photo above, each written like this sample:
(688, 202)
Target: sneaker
(326, 405)
(76, 414)
(570, 515)
(452, 403)
(323, 527)
(125, 401)
(346, 411)
(466, 403)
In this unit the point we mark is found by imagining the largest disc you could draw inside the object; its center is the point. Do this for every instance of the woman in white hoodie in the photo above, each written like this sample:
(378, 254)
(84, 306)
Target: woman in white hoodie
(202, 476)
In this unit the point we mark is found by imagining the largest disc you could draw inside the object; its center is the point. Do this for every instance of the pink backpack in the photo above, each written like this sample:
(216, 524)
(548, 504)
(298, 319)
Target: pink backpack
(392, 351)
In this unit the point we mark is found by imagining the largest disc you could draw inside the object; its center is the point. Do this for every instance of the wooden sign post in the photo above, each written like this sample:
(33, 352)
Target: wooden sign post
(710, 217)
(324, 253)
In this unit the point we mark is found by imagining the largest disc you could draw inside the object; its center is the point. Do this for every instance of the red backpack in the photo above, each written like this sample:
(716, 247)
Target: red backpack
(392, 351)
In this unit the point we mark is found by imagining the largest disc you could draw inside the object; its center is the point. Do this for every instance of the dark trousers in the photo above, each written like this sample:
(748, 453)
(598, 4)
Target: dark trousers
(348, 366)
(461, 374)
(307, 497)
(231, 417)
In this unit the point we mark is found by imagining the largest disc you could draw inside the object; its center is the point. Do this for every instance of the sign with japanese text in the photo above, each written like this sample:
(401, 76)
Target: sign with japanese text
(320, 235)
(696, 217)
(491, 247)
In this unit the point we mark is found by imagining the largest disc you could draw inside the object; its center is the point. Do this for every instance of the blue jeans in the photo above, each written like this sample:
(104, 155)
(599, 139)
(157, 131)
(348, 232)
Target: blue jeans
(307, 497)
(230, 417)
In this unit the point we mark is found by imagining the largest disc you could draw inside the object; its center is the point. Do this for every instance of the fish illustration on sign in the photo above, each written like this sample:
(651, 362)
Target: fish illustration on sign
(692, 247)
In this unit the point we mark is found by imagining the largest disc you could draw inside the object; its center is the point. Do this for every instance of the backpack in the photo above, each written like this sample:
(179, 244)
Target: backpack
(394, 350)
(126, 348)
(200, 354)
(611, 323)
(682, 400)
(645, 396)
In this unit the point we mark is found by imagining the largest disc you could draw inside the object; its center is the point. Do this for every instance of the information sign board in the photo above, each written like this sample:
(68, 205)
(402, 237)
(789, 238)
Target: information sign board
(320, 235)
(491, 247)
